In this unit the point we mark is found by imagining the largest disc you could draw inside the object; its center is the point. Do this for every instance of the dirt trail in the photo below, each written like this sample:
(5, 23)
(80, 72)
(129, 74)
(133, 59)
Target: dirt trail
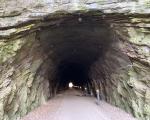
(71, 105)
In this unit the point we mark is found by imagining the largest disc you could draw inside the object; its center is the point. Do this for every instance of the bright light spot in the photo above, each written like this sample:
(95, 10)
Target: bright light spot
(97, 91)
(80, 19)
(70, 85)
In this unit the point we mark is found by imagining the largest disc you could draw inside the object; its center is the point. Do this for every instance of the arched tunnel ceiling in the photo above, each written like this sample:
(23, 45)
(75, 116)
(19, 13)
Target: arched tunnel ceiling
(74, 45)
(82, 41)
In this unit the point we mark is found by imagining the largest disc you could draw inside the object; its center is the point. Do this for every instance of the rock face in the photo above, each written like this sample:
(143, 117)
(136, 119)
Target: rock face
(23, 86)
(29, 63)
(123, 77)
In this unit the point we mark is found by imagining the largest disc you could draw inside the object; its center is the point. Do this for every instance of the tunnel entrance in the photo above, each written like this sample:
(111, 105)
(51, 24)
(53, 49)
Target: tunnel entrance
(99, 45)
(91, 50)
(74, 46)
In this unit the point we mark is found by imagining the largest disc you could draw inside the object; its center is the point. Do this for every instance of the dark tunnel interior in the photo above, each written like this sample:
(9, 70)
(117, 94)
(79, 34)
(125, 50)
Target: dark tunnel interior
(72, 72)
(74, 46)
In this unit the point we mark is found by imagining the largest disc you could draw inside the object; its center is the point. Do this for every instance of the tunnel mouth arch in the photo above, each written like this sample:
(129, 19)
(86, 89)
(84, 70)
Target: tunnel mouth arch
(75, 45)
(93, 43)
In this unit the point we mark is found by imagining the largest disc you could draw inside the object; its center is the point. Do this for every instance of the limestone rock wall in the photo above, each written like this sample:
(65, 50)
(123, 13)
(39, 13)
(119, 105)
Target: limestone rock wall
(24, 82)
(123, 74)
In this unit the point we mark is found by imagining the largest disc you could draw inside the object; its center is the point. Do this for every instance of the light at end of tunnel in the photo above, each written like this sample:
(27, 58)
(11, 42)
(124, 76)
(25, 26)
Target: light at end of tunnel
(70, 85)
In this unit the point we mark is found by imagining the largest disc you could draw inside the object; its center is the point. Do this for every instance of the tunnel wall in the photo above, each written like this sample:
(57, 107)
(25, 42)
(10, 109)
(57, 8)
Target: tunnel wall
(23, 85)
(19, 63)
(122, 75)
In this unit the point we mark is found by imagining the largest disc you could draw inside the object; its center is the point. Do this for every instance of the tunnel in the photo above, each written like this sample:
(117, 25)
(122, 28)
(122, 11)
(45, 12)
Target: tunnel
(76, 45)
(87, 49)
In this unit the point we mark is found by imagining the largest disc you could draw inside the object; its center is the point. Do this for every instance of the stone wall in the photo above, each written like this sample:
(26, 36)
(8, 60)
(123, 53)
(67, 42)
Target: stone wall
(24, 78)
(122, 75)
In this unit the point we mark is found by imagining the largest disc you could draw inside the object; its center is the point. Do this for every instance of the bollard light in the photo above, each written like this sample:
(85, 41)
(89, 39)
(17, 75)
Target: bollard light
(98, 97)
(91, 93)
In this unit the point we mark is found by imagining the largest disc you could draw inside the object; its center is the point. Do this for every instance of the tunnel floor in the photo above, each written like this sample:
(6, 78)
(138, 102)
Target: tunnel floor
(72, 105)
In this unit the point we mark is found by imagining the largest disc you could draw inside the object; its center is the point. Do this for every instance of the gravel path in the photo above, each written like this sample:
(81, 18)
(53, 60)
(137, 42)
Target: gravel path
(71, 105)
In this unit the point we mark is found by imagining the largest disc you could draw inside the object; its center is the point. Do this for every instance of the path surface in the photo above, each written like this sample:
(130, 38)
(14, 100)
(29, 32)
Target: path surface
(71, 105)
